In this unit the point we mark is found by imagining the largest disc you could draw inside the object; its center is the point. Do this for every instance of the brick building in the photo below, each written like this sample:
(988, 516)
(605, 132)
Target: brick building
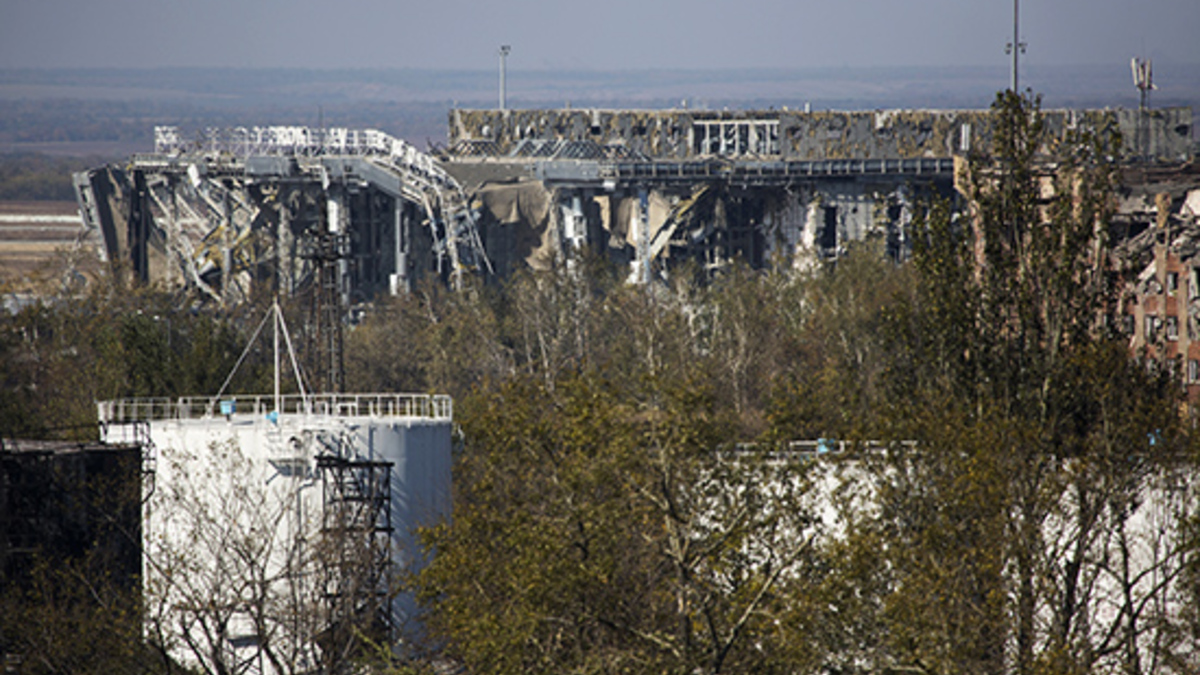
(1162, 271)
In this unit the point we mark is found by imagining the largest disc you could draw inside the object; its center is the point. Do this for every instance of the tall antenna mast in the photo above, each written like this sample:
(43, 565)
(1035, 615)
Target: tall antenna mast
(1143, 79)
(280, 326)
(1016, 47)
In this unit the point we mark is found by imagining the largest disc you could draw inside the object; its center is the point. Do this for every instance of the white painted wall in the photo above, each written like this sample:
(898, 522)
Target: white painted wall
(232, 528)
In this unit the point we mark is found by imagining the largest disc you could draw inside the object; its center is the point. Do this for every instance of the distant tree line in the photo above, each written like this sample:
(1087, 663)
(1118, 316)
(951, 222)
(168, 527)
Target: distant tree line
(132, 122)
(30, 176)
(35, 177)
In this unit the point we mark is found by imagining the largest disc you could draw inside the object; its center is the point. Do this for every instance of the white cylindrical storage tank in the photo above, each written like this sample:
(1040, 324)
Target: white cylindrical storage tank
(261, 527)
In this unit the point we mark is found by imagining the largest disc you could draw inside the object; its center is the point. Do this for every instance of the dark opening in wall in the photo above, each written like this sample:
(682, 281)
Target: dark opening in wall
(895, 237)
(828, 240)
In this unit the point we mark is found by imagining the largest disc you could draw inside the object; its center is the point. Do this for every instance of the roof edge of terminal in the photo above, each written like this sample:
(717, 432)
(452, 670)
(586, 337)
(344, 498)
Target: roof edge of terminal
(802, 110)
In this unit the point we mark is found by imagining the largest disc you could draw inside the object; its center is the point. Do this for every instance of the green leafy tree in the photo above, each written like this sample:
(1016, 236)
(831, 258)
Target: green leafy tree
(1031, 422)
(830, 381)
(64, 353)
(600, 528)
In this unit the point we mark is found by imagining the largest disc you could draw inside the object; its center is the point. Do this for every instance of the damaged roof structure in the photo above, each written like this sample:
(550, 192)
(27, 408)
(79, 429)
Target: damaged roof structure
(664, 135)
(289, 206)
(359, 214)
(656, 187)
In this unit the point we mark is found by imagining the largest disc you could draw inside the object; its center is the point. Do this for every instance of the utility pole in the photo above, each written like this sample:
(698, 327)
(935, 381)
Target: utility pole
(1143, 79)
(504, 51)
(1016, 47)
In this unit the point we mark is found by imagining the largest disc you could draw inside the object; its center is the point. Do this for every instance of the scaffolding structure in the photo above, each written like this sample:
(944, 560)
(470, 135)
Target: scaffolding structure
(356, 573)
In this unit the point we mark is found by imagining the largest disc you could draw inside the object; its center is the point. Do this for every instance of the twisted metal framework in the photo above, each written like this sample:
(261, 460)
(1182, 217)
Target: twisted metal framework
(227, 206)
(287, 141)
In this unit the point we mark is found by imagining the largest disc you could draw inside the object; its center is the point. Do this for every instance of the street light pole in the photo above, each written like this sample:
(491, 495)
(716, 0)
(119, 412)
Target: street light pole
(504, 51)
(1016, 47)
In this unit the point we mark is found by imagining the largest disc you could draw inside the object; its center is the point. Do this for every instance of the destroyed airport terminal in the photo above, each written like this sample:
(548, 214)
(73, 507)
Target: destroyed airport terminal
(355, 215)
(361, 214)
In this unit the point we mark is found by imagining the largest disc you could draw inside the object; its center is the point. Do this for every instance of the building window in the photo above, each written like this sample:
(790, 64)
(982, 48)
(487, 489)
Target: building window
(1172, 282)
(1193, 371)
(1172, 328)
(1150, 329)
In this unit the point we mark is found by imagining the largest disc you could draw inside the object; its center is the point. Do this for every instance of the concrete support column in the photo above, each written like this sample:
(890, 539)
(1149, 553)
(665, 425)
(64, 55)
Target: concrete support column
(399, 278)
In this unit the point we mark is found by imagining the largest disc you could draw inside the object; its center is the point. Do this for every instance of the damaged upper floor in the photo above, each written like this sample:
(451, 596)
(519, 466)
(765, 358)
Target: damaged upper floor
(1165, 134)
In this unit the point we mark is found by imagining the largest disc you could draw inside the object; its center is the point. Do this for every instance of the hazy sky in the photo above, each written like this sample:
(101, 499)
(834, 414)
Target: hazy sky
(599, 35)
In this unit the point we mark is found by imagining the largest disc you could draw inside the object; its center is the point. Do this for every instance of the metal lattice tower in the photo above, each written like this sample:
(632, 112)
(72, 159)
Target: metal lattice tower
(357, 556)
(327, 311)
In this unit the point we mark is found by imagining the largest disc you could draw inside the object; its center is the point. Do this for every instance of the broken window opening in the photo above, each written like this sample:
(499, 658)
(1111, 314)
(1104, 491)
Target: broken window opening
(735, 139)
(829, 232)
(767, 139)
(703, 143)
(728, 140)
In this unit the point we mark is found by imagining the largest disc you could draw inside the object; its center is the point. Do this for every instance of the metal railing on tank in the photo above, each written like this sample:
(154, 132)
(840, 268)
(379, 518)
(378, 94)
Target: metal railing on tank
(423, 406)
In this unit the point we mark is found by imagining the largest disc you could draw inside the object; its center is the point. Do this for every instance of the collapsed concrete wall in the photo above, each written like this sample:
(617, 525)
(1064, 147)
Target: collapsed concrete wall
(516, 224)
(226, 234)
(650, 229)
(347, 214)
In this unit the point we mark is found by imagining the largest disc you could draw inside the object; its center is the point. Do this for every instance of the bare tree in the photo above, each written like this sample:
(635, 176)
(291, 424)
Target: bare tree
(230, 572)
